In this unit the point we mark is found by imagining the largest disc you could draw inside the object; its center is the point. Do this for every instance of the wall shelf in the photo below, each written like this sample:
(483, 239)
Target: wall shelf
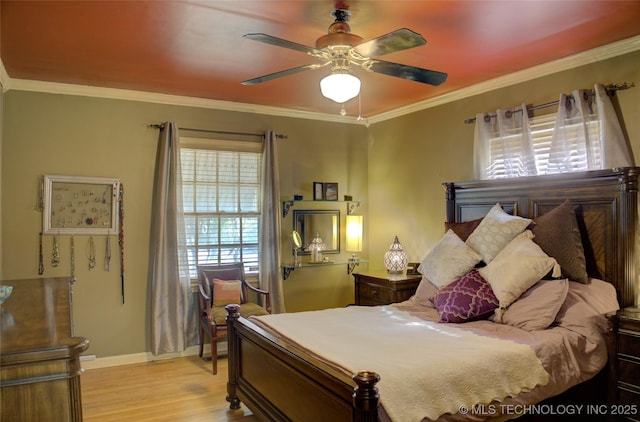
(351, 263)
(288, 204)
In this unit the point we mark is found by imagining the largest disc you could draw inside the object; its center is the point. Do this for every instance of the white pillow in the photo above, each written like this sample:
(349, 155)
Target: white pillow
(520, 265)
(450, 259)
(495, 231)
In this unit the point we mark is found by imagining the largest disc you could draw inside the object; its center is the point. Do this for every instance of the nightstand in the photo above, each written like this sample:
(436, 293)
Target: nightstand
(628, 363)
(383, 288)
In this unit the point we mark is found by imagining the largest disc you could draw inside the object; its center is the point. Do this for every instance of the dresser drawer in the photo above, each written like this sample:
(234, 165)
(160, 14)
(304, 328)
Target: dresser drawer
(629, 404)
(374, 295)
(629, 371)
(629, 343)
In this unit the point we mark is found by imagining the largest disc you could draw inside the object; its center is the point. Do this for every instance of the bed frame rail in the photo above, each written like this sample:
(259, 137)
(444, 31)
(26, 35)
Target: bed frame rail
(282, 384)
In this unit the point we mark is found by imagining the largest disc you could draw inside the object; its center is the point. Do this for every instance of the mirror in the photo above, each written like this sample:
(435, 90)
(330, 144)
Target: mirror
(325, 223)
(297, 241)
(296, 244)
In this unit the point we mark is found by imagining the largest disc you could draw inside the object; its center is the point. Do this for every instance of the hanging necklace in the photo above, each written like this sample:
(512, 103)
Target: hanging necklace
(107, 253)
(73, 262)
(55, 254)
(92, 253)
(40, 257)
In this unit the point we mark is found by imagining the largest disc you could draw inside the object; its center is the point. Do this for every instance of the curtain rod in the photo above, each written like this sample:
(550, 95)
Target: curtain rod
(220, 132)
(611, 90)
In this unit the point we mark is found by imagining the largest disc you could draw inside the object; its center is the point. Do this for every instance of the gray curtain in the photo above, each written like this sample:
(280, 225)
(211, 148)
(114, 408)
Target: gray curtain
(270, 225)
(173, 318)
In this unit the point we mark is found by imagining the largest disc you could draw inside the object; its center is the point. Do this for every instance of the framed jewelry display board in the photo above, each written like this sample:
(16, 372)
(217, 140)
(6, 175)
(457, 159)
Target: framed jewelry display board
(80, 205)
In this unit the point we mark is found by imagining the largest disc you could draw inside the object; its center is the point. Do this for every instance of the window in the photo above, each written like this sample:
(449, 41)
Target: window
(506, 162)
(221, 200)
(583, 134)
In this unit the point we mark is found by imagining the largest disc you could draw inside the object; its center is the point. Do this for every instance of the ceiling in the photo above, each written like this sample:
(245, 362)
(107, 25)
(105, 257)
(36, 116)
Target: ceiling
(196, 48)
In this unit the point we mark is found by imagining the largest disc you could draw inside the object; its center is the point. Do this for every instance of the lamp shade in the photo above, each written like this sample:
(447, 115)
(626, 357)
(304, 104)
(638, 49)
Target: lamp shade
(396, 259)
(340, 87)
(354, 233)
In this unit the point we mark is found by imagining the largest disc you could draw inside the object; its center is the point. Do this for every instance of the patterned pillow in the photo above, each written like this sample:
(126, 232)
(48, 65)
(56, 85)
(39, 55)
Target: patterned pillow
(449, 259)
(557, 233)
(495, 231)
(468, 298)
(226, 292)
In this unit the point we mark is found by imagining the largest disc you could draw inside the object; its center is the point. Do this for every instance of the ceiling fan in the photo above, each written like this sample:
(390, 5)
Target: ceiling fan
(340, 50)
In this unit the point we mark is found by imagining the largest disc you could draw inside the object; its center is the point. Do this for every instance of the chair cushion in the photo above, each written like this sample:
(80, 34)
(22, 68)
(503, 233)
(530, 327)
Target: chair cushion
(246, 310)
(226, 292)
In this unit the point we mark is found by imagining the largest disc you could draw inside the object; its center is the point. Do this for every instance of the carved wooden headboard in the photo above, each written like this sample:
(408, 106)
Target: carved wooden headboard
(606, 205)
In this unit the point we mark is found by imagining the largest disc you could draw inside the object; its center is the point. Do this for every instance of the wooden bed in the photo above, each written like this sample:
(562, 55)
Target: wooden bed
(279, 381)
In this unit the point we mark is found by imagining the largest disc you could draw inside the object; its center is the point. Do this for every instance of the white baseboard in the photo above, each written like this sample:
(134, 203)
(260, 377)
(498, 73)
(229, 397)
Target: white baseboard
(92, 362)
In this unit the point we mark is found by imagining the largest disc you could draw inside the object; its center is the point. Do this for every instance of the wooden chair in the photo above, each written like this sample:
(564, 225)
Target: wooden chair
(228, 282)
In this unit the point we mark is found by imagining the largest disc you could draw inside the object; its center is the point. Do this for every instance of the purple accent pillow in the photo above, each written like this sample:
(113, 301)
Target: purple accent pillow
(469, 297)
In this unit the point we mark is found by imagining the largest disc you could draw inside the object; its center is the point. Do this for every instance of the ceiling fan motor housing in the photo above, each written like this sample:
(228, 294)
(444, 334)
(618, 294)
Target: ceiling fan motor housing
(339, 33)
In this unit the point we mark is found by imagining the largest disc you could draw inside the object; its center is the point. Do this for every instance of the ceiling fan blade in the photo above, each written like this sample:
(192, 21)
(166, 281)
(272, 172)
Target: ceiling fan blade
(411, 73)
(401, 39)
(284, 43)
(282, 73)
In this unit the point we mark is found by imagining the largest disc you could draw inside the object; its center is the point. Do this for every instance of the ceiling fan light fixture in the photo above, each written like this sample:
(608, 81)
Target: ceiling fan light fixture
(340, 87)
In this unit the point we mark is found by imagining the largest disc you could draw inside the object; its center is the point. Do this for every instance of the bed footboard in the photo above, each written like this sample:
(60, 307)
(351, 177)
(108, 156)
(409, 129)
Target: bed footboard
(277, 381)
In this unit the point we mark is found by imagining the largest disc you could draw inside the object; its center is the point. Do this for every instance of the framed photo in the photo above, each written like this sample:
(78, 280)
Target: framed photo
(330, 191)
(412, 268)
(80, 205)
(318, 191)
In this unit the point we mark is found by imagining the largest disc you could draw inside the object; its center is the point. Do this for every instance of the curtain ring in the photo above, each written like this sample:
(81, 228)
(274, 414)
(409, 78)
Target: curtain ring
(508, 114)
(487, 118)
(568, 102)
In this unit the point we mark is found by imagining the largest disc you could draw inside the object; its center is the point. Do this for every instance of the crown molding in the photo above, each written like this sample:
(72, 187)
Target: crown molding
(151, 97)
(4, 77)
(598, 54)
(590, 56)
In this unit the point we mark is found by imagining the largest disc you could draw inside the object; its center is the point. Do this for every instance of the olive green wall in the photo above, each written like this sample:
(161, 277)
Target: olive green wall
(395, 166)
(83, 136)
(410, 156)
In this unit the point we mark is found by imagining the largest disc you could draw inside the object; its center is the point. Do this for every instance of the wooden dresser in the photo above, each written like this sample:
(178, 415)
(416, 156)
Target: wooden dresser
(382, 288)
(628, 364)
(39, 357)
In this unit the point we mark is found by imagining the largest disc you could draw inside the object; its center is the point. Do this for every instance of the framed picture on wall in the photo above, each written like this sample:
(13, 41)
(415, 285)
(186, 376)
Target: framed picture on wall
(318, 191)
(330, 191)
(80, 205)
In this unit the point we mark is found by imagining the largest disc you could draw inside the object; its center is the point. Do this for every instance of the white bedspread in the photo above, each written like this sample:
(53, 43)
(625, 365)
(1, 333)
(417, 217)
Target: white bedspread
(437, 369)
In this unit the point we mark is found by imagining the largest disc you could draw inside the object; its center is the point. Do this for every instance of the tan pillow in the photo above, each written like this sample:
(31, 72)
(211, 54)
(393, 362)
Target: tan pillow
(520, 265)
(557, 233)
(425, 291)
(537, 308)
(226, 292)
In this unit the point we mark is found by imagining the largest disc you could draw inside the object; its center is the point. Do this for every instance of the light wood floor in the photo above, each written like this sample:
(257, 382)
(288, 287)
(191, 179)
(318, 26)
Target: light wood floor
(174, 390)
